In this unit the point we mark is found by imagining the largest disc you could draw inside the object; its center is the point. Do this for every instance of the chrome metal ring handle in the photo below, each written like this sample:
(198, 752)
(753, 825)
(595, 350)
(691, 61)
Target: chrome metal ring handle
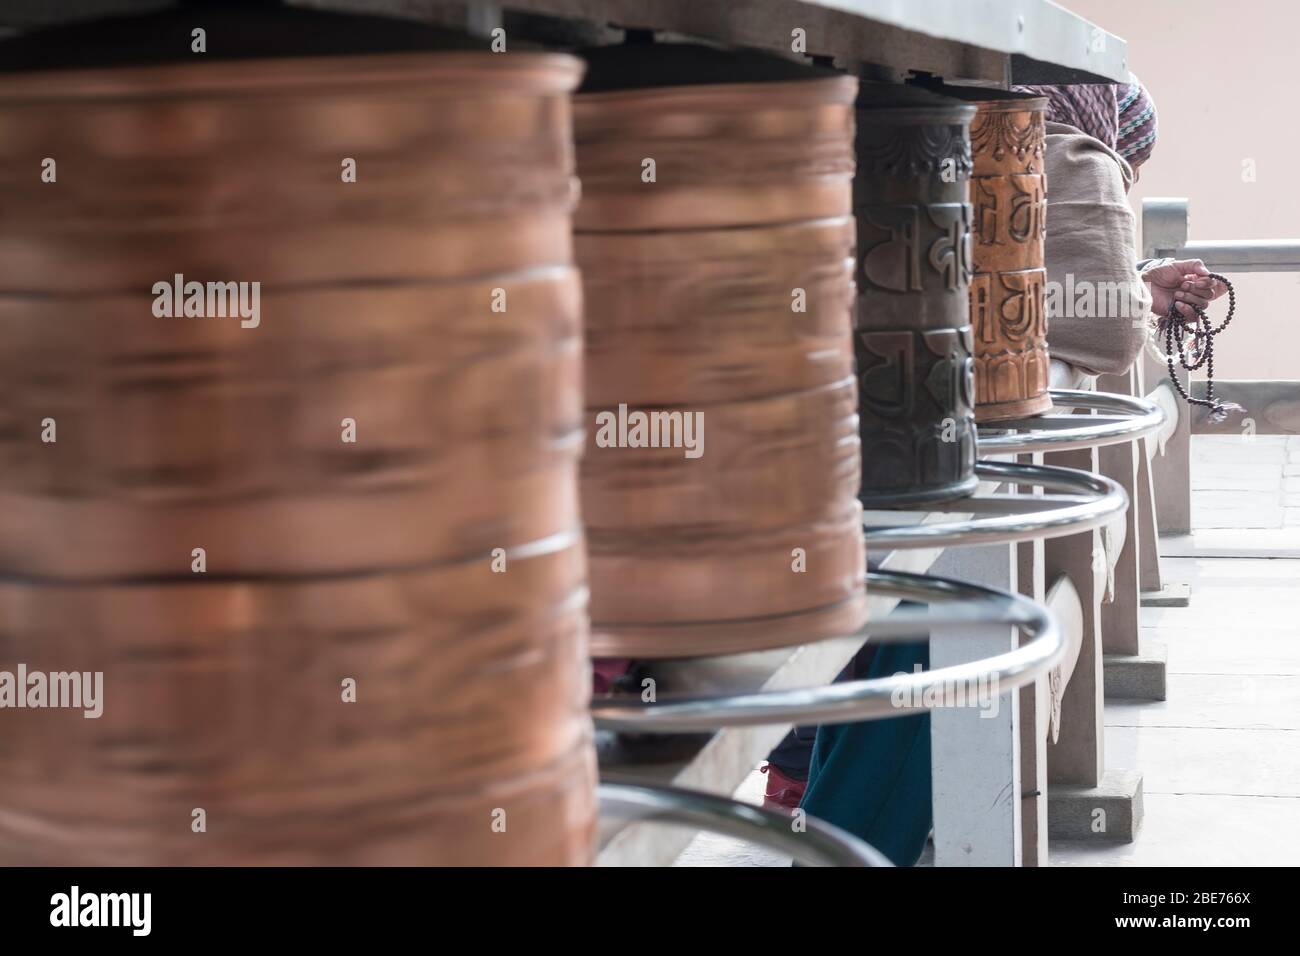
(851, 701)
(1121, 418)
(1089, 502)
(817, 844)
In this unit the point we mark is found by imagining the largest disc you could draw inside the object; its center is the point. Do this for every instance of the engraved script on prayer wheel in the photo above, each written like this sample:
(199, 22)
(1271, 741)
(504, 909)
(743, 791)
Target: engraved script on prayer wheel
(913, 338)
(1009, 193)
(718, 288)
(369, 480)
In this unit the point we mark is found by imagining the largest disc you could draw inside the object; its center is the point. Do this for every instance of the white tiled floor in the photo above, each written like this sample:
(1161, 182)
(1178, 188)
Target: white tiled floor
(1246, 482)
(1220, 758)
(1201, 830)
(709, 850)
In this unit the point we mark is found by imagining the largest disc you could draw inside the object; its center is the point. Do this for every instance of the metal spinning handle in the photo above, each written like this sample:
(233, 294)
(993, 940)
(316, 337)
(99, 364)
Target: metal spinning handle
(818, 844)
(852, 701)
(1089, 502)
(1123, 418)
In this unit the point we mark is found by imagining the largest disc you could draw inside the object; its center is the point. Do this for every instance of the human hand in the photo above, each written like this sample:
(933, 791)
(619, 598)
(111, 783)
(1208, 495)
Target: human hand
(1185, 283)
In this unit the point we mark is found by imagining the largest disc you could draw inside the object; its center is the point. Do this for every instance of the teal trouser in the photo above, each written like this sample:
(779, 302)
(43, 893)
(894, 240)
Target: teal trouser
(873, 779)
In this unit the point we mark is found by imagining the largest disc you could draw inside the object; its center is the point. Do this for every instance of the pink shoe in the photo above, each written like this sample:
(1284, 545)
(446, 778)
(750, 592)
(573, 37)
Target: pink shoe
(605, 671)
(783, 793)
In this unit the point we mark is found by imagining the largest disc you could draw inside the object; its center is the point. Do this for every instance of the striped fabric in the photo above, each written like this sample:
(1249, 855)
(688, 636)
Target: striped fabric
(1137, 122)
(1089, 108)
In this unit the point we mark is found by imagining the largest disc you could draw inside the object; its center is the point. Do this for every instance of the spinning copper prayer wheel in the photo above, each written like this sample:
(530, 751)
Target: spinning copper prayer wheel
(1009, 193)
(381, 468)
(467, 741)
(181, 433)
(913, 338)
(432, 303)
(719, 480)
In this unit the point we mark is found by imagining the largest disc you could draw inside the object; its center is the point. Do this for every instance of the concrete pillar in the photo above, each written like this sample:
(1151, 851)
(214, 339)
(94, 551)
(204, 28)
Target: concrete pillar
(975, 753)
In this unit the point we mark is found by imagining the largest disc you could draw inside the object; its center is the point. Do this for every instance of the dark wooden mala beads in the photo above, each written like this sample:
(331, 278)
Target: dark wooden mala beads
(1198, 333)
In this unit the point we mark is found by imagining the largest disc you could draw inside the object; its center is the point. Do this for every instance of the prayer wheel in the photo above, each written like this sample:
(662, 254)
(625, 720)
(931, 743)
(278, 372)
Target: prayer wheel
(913, 336)
(1009, 193)
(377, 301)
(422, 717)
(328, 562)
(715, 240)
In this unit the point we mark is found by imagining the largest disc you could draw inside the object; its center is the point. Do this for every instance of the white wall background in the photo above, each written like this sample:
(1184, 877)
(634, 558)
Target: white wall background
(1225, 75)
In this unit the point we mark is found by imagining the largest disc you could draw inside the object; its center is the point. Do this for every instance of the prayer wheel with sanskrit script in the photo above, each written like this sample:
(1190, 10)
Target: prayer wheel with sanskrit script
(716, 246)
(913, 338)
(380, 470)
(1009, 193)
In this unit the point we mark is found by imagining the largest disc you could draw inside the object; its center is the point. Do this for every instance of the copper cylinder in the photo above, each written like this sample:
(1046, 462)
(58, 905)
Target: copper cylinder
(377, 305)
(1009, 192)
(690, 289)
(177, 433)
(437, 560)
(470, 709)
(913, 337)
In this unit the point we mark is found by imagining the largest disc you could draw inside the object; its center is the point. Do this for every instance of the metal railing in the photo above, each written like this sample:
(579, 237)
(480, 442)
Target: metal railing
(881, 697)
(818, 844)
(1165, 225)
(1165, 233)
(1119, 418)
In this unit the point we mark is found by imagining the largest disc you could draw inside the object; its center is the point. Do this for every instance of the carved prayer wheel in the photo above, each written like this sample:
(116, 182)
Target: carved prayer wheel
(913, 337)
(1009, 193)
(716, 246)
(367, 487)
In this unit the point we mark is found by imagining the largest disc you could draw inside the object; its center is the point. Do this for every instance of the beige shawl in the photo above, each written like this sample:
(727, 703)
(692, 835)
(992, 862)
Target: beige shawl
(1097, 305)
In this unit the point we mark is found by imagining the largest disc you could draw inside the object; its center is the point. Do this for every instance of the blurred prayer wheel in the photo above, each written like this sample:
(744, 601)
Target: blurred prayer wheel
(1009, 192)
(470, 711)
(433, 554)
(181, 433)
(380, 302)
(717, 283)
(913, 337)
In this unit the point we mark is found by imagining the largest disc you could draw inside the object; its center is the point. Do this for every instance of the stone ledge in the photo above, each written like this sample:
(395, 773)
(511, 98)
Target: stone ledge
(1110, 812)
